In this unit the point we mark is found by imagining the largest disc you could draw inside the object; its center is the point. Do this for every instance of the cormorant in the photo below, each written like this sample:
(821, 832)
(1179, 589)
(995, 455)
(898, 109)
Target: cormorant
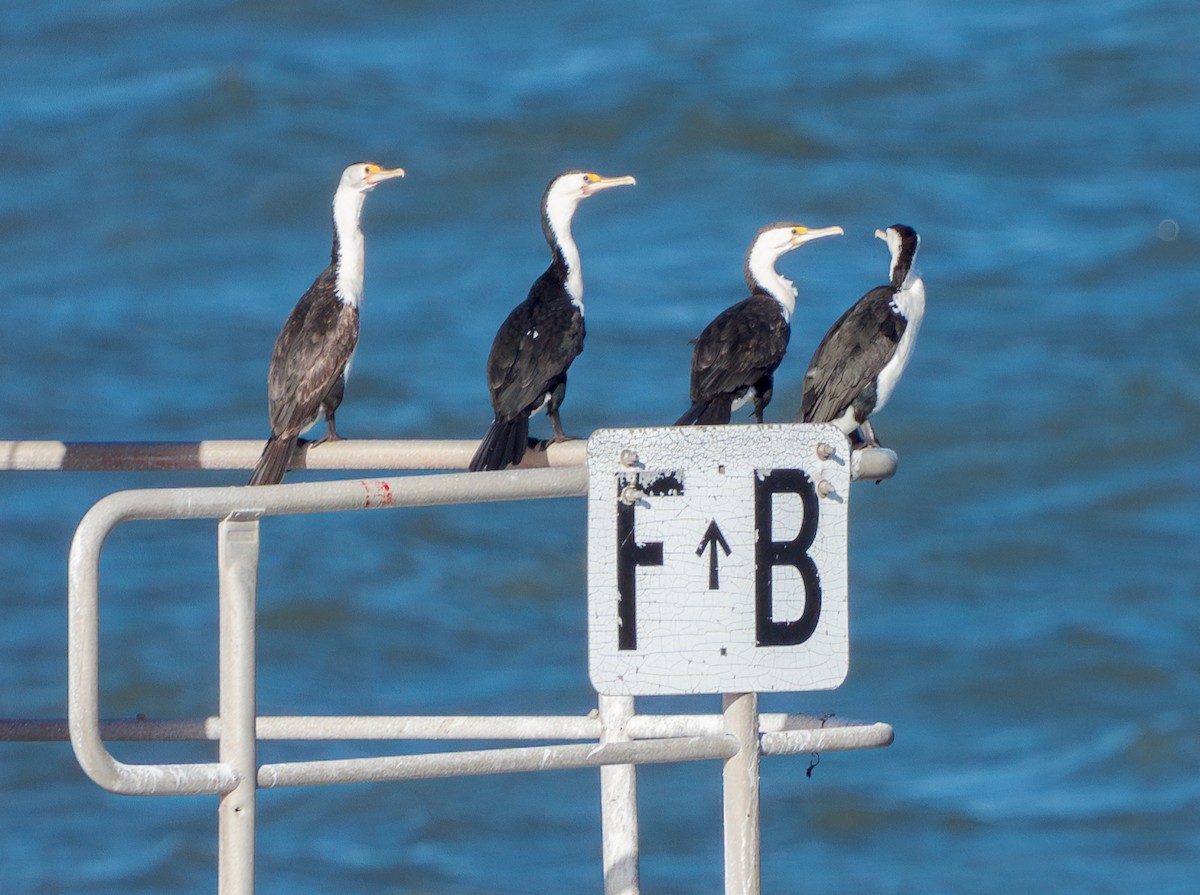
(527, 366)
(857, 364)
(312, 355)
(736, 355)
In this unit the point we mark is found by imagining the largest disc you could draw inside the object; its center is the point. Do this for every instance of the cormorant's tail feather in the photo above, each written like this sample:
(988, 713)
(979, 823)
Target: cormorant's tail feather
(707, 413)
(273, 463)
(505, 443)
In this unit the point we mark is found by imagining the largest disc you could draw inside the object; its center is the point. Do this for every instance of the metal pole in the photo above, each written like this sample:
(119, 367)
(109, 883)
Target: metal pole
(743, 863)
(83, 679)
(237, 556)
(781, 734)
(618, 804)
(352, 453)
(474, 762)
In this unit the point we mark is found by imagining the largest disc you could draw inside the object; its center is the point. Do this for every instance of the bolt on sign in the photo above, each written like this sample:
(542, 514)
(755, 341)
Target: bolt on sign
(717, 559)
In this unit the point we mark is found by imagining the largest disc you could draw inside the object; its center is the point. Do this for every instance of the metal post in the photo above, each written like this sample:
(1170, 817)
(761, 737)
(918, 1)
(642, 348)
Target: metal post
(237, 557)
(618, 804)
(743, 863)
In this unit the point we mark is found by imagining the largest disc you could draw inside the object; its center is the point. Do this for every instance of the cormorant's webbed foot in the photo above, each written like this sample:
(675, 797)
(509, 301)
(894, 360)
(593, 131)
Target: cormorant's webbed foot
(559, 435)
(330, 434)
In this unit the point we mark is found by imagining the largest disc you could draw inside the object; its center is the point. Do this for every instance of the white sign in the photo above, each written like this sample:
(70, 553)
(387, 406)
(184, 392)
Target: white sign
(717, 559)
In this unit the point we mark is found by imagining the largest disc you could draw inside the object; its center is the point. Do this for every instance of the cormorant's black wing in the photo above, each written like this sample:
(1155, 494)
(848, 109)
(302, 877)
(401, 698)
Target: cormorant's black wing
(744, 343)
(851, 355)
(311, 352)
(532, 350)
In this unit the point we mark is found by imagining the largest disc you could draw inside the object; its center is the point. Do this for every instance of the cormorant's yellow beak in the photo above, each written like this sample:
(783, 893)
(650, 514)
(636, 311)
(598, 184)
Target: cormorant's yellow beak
(880, 234)
(378, 175)
(596, 183)
(801, 235)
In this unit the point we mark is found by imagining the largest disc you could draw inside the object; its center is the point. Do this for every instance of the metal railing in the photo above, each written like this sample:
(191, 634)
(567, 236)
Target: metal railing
(616, 737)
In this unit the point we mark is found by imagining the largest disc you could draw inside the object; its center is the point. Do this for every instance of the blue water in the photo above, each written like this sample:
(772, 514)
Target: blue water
(1024, 592)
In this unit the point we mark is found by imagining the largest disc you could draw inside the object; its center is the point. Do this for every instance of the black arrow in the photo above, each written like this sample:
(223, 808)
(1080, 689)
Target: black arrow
(712, 537)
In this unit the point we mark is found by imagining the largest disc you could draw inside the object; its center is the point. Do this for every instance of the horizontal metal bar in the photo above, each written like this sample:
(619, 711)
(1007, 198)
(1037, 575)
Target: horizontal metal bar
(828, 739)
(494, 761)
(443, 727)
(332, 496)
(54, 730)
(808, 728)
(347, 454)
(344, 727)
(873, 464)
(350, 453)
(643, 726)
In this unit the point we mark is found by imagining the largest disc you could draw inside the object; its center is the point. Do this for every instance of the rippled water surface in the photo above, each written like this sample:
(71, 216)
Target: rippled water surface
(1024, 592)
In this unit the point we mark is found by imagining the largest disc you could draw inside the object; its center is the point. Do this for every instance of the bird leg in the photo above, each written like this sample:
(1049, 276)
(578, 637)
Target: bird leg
(556, 424)
(330, 404)
(331, 430)
(552, 404)
(760, 394)
(868, 434)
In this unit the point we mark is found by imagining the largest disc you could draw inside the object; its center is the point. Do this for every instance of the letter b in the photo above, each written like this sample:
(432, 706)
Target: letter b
(768, 554)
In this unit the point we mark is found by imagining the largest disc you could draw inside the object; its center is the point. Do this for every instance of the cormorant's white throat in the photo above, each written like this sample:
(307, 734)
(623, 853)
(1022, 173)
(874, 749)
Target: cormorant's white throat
(772, 244)
(562, 199)
(356, 182)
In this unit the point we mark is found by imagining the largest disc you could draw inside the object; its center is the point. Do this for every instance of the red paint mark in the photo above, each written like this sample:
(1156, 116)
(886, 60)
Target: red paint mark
(379, 494)
(387, 492)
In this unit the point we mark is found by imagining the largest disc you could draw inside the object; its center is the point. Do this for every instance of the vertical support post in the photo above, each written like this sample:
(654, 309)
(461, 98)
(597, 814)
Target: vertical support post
(618, 804)
(743, 863)
(237, 559)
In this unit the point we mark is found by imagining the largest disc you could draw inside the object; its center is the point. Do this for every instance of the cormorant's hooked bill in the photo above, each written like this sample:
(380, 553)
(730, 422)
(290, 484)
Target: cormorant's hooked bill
(536, 343)
(312, 355)
(857, 365)
(737, 353)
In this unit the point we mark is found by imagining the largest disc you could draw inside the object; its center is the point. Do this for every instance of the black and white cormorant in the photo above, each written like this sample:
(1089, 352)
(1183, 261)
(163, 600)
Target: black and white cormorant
(527, 366)
(312, 355)
(736, 355)
(857, 364)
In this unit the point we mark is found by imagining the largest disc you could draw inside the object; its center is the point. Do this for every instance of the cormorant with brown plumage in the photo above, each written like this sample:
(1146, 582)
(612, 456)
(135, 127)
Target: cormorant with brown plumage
(312, 354)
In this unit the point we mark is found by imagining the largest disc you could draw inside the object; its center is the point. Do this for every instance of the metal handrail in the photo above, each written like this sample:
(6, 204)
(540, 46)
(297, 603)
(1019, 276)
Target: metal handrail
(812, 733)
(217, 503)
(620, 738)
(496, 761)
(347, 454)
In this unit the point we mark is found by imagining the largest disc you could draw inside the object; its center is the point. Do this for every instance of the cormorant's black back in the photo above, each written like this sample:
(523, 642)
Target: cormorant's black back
(533, 348)
(739, 349)
(851, 355)
(529, 358)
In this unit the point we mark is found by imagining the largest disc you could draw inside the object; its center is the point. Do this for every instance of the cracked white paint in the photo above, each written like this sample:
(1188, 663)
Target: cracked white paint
(691, 638)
